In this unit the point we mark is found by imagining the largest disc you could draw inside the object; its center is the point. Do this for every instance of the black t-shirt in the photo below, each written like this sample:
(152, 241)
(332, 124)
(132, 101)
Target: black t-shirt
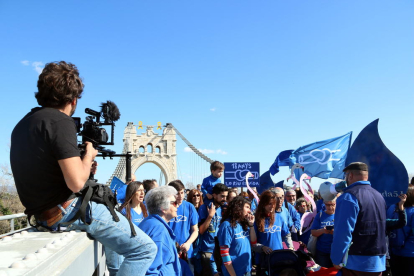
(39, 140)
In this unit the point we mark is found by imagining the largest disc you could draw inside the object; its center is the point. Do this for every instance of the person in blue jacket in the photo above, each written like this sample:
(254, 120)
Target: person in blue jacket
(402, 257)
(235, 234)
(323, 229)
(269, 228)
(162, 207)
(360, 222)
(185, 225)
(217, 169)
(134, 208)
(295, 228)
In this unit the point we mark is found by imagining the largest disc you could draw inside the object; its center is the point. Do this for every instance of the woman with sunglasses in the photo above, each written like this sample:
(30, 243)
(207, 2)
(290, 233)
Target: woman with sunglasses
(195, 198)
(269, 228)
(235, 234)
(162, 207)
(134, 208)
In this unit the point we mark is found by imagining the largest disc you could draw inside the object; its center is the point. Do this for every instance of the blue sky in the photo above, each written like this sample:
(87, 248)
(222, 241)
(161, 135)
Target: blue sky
(249, 78)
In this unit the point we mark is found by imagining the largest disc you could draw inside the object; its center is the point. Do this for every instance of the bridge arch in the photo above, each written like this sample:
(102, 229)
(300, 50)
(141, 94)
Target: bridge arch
(162, 151)
(137, 163)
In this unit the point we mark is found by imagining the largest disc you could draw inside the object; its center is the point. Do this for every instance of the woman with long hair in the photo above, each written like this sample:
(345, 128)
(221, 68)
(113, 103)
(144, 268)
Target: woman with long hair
(269, 228)
(234, 237)
(195, 197)
(134, 208)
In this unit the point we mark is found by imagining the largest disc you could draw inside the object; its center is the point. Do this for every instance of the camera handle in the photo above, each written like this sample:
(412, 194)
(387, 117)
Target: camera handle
(128, 158)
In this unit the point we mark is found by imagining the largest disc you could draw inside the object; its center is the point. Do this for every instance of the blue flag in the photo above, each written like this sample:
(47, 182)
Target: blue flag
(279, 184)
(265, 183)
(387, 173)
(281, 160)
(120, 187)
(324, 159)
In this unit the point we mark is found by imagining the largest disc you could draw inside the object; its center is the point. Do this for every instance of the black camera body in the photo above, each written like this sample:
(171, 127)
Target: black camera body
(92, 129)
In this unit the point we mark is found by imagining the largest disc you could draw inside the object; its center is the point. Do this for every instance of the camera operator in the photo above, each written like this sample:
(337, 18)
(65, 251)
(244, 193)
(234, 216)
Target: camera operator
(48, 171)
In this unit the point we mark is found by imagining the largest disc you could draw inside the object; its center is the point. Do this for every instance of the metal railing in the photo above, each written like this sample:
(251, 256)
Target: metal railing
(12, 217)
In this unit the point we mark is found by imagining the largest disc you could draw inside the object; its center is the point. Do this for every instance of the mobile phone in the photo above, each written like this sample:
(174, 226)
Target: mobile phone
(329, 227)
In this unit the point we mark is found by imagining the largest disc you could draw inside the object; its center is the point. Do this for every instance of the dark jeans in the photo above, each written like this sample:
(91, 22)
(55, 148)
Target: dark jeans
(401, 266)
(323, 259)
(206, 263)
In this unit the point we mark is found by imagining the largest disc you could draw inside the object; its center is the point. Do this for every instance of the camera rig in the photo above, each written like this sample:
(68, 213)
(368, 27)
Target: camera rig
(92, 130)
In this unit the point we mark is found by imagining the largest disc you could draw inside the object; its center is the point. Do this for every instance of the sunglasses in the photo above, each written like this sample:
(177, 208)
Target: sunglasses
(174, 203)
(196, 195)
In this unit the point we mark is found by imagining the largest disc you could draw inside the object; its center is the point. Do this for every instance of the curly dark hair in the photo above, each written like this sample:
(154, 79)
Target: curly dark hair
(130, 192)
(58, 84)
(235, 212)
(266, 198)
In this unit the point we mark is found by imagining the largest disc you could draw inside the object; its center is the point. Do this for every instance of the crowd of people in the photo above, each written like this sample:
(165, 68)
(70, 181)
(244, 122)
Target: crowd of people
(211, 230)
(223, 232)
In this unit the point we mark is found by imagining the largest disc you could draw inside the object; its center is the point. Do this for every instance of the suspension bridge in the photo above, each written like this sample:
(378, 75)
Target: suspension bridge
(159, 149)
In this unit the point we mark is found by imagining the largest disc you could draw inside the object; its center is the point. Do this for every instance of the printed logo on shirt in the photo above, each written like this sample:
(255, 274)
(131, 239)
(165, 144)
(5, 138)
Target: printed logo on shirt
(273, 229)
(327, 223)
(242, 235)
(216, 219)
(138, 220)
(179, 218)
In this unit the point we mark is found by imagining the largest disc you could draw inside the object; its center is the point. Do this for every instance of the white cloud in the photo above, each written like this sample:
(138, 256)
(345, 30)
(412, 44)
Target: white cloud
(207, 151)
(38, 66)
(213, 109)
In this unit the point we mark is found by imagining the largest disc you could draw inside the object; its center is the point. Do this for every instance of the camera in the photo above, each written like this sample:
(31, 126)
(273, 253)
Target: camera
(92, 129)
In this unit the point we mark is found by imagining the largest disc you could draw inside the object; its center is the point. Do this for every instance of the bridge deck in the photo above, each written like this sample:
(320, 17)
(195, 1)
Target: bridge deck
(45, 253)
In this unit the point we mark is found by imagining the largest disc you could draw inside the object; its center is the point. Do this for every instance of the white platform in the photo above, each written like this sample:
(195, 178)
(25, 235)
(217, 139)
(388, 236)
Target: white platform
(45, 253)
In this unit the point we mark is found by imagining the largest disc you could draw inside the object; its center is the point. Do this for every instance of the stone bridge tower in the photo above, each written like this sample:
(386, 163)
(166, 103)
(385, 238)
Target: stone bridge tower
(149, 147)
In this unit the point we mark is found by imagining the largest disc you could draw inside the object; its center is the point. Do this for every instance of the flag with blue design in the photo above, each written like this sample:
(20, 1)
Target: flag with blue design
(118, 186)
(283, 159)
(324, 159)
(279, 184)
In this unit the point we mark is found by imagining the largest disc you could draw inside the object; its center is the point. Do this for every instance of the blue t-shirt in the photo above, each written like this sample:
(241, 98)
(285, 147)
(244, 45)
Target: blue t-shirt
(325, 240)
(207, 186)
(181, 225)
(207, 239)
(272, 236)
(408, 249)
(238, 241)
(166, 261)
(135, 217)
